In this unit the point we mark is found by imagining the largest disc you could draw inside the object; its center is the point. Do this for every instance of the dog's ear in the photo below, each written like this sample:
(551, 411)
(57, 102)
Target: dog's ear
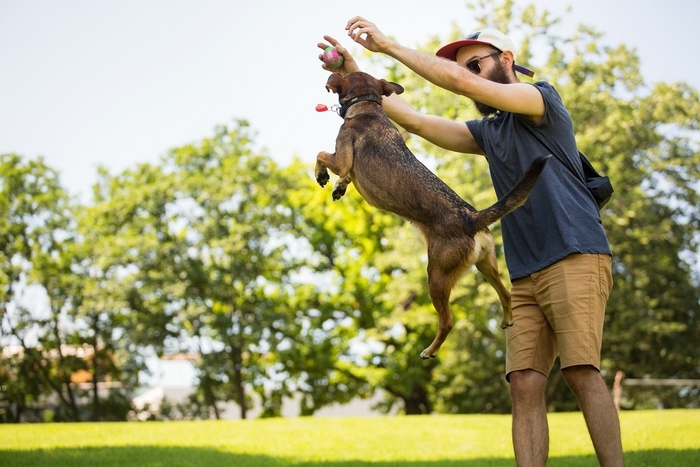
(388, 88)
(335, 83)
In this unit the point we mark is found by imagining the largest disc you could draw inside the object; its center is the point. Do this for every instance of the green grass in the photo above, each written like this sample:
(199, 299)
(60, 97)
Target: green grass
(650, 438)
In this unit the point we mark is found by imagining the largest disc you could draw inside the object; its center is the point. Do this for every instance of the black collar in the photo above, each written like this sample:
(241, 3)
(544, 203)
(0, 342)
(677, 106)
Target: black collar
(367, 97)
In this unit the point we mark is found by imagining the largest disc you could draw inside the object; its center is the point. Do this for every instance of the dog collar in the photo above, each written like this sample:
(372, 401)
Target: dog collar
(367, 97)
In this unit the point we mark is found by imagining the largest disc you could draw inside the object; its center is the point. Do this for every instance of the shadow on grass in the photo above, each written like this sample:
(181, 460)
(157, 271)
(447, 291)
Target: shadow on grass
(157, 456)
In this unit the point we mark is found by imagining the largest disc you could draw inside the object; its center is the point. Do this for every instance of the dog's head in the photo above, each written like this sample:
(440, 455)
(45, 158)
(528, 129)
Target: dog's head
(360, 84)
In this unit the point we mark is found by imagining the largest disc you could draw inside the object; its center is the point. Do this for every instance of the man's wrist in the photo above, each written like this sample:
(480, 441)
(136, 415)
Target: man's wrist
(394, 50)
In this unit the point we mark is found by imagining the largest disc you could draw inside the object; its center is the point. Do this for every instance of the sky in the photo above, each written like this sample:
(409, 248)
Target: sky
(87, 83)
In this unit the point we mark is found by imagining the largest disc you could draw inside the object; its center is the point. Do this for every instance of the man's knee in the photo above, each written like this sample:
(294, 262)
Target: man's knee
(580, 377)
(527, 384)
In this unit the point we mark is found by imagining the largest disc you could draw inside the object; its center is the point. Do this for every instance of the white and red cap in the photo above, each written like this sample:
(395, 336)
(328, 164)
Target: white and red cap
(487, 36)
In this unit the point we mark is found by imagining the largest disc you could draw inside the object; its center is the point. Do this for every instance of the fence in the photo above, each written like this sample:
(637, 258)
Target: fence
(620, 380)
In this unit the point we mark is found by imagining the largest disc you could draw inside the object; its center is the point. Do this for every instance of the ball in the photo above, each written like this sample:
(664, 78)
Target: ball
(332, 58)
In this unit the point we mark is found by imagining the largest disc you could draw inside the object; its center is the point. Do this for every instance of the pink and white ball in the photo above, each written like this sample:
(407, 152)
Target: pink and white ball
(332, 58)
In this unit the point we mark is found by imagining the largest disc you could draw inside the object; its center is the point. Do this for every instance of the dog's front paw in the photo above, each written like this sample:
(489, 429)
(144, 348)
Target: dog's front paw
(322, 177)
(427, 354)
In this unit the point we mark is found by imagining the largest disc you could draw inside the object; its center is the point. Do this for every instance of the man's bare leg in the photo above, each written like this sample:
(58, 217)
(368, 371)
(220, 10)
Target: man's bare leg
(530, 428)
(599, 412)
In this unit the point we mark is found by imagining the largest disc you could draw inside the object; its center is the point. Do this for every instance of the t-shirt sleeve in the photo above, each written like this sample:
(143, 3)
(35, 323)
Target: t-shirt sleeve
(476, 129)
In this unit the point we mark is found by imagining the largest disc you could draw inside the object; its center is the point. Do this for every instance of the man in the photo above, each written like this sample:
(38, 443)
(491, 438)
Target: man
(555, 246)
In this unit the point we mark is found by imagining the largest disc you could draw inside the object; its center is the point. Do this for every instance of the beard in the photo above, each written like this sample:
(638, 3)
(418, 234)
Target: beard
(498, 75)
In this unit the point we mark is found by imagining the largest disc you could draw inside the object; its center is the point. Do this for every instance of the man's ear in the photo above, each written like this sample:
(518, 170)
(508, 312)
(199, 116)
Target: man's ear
(335, 83)
(388, 88)
(507, 59)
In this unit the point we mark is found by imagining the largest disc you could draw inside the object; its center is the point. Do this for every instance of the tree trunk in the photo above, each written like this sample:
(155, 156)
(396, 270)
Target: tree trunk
(73, 405)
(95, 368)
(65, 378)
(212, 398)
(553, 388)
(417, 403)
(237, 359)
(18, 412)
(238, 385)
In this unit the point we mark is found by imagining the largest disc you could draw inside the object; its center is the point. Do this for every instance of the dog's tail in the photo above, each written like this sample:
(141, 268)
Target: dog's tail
(513, 199)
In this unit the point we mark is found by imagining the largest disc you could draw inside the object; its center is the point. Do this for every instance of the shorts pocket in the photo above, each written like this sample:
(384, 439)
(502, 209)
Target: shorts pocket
(605, 275)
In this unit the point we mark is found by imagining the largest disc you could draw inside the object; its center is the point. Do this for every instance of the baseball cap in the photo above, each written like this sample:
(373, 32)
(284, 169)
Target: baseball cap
(486, 36)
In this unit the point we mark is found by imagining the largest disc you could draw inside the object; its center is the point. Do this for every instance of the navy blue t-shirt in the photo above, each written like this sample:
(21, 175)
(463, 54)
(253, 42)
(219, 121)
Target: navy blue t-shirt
(560, 217)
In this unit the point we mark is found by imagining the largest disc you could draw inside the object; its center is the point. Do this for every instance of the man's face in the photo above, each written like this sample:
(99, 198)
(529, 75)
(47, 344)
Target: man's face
(484, 61)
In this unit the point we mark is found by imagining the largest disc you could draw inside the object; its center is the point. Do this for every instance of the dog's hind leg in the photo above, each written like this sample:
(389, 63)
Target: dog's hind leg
(446, 264)
(440, 296)
(488, 267)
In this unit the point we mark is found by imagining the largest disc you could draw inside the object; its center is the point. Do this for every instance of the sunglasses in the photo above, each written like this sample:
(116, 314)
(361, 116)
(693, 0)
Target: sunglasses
(475, 67)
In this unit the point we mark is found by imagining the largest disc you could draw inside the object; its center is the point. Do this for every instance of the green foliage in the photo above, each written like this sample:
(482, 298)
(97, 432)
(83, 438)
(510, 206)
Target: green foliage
(35, 215)
(74, 333)
(643, 137)
(217, 251)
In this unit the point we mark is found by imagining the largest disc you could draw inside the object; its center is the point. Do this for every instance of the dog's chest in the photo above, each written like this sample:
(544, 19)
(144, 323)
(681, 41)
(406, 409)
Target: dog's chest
(369, 194)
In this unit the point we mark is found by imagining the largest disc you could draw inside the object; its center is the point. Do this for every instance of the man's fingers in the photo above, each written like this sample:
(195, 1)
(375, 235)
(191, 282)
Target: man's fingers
(358, 26)
(352, 21)
(349, 65)
(323, 46)
(332, 41)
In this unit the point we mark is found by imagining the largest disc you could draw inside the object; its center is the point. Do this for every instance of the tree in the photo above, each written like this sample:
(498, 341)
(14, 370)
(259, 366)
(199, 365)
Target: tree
(34, 223)
(79, 332)
(206, 242)
(216, 250)
(348, 239)
(645, 139)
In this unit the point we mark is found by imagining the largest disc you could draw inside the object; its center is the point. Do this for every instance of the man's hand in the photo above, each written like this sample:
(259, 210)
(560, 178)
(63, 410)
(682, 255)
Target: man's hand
(374, 40)
(349, 65)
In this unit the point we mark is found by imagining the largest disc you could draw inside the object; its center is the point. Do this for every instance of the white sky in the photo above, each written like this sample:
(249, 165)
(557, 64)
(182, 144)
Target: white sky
(88, 83)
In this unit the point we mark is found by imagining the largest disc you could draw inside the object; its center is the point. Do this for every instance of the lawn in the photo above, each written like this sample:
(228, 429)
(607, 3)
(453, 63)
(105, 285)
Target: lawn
(651, 438)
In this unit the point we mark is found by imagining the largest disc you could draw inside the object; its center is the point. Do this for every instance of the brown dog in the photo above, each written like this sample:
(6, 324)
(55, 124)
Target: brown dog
(370, 152)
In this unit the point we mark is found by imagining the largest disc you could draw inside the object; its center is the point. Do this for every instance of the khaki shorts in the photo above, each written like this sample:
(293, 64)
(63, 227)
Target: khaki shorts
(559, 310)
